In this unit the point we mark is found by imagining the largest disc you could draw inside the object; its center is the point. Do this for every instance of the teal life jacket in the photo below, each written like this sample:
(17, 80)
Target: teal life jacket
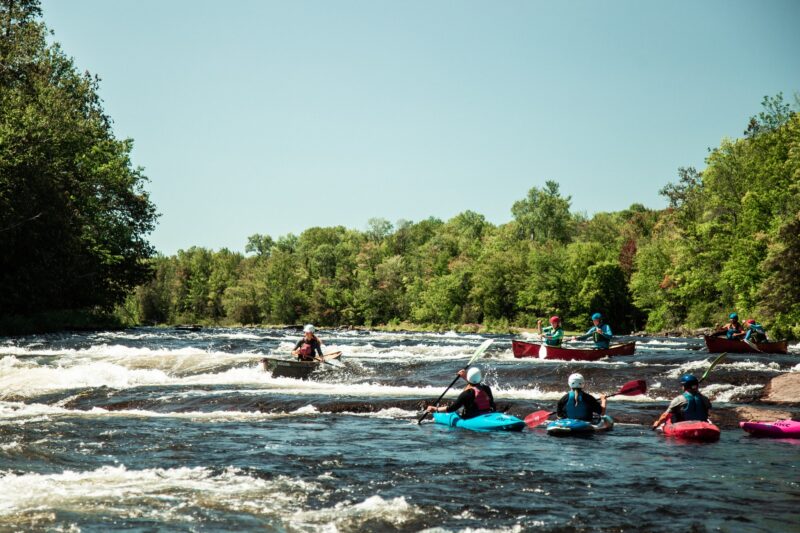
(695, 408)
(580, 411)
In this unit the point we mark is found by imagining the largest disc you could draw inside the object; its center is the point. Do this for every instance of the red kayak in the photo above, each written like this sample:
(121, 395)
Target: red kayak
(529, 349)
(691, 430)
(721, 344)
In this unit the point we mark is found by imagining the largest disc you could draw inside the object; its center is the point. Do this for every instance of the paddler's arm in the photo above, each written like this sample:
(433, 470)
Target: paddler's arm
(661, 419)
(458, 404)
(602, 404)
(297, 347)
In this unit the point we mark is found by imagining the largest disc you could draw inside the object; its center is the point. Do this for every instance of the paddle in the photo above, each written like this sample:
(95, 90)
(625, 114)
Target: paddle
(714, 363)
(478, 353)
(751, 344)
(631, 388)
(328, 357)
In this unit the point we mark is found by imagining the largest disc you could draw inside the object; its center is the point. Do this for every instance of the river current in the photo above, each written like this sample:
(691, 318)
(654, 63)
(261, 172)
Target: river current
(155, 429)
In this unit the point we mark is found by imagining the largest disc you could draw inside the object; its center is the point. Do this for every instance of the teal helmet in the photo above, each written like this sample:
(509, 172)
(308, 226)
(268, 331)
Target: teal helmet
(733, 316)
(597, 316)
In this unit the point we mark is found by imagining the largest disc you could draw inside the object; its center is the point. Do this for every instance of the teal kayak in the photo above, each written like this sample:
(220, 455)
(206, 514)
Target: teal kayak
(487, 422)
(570, 426)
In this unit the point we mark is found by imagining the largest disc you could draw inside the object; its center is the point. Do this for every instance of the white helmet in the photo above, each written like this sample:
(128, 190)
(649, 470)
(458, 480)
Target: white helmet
(309, 328)
(474, 375)
(575, 381)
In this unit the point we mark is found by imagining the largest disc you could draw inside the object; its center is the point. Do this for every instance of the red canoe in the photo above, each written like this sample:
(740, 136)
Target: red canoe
(529, 349)
(721, 344)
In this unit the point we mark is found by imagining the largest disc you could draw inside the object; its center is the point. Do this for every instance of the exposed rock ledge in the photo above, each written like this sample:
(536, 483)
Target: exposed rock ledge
(784, 389)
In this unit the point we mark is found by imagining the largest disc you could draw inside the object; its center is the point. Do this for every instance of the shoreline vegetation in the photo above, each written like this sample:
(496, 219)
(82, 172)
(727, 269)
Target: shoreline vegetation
(76, 214)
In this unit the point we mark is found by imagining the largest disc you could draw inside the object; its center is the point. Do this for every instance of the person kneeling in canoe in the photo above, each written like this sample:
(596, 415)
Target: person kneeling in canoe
(600, 333)
(580, 405)
(691, 405)
(733, 330)
(552, 334)
(755, 332)
(476, 398)
(305, 347)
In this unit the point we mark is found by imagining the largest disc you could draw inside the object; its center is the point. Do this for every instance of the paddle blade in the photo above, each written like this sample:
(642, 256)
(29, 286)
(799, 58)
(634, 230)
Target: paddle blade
(536, 418)
(714, 363)
(632, 388)
(479, 352)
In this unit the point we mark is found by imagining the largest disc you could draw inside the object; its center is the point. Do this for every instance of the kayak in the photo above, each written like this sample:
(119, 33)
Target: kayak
(691, 430)
(529, 349)
(721, 344)
(288, 368)
(780, 428)
(570, 426)
(487, 422)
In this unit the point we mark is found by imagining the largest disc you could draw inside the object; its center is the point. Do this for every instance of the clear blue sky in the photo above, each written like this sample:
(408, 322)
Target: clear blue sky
(272, 117)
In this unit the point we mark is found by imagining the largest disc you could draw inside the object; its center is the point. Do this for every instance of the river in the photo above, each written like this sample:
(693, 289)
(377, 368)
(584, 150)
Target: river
(155, 429)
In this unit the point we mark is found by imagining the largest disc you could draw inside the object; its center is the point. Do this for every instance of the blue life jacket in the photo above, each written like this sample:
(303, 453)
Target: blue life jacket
(601, 342)
(756, 333)
(695, 408)
(580, 411)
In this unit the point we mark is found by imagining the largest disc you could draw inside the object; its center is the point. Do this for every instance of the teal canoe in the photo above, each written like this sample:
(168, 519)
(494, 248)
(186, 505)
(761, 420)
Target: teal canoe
(487, 422)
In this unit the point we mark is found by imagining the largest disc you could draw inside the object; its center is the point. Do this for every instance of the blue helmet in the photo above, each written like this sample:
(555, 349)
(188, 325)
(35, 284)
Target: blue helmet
(733, 316)
(597, 316)
(688, 380)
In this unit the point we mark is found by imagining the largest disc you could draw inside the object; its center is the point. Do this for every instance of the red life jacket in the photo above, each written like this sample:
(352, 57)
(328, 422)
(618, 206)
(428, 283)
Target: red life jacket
(306, 351)
(482, 402)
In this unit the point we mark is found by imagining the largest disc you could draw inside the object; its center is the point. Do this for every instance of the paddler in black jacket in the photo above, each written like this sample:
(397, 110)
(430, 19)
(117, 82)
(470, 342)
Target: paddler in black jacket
(305, 347)
(476, 398)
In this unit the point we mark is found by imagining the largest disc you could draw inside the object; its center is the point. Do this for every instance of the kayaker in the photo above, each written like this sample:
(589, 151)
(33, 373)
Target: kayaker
(733, 330)
(578, 404)
(305, 347)
(754, 332)
(552, 334)
(600, 333)
(691, 405)
(476, 398)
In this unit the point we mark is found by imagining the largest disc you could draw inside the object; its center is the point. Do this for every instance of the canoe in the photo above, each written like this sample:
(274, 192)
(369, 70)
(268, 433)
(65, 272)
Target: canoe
(564, 427)
(780, 428)
(487, 422)
(721, 344)
(529, 349)
(691, 430)
(292, 368)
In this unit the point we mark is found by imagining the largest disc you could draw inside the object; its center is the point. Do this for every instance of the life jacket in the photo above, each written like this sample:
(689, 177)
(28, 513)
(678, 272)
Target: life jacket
(580, 411)
(482, 402)
(600, 341)
(756, 333)
(695, 408)
(306, 351)
(737, 329)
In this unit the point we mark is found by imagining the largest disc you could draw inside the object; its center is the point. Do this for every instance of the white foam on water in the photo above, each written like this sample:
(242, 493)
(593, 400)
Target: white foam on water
(698, 366)
(725, 393)
(158, 493)
(348, 516)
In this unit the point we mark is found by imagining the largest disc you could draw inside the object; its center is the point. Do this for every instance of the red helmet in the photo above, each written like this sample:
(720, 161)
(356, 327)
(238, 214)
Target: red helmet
(554, 319)
(750, 321)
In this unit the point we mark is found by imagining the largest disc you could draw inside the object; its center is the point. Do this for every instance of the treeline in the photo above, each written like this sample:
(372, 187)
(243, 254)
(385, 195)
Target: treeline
(73, 212)
(730, 239)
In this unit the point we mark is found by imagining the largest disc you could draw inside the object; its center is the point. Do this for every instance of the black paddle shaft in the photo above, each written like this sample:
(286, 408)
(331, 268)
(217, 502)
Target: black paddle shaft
(440, 397)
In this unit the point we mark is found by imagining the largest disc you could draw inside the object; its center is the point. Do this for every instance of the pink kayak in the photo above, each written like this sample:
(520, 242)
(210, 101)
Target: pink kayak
(781, 428)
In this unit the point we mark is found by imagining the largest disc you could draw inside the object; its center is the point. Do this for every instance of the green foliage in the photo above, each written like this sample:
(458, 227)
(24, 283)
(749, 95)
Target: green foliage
(72, 206)
(544, 215)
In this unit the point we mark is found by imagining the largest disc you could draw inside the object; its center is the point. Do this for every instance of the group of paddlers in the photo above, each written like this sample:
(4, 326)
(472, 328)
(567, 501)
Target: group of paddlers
(750, 331)
(476, 399)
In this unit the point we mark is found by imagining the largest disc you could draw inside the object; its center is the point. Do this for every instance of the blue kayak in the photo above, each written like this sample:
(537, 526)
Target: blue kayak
(572, 426)
(487, 422)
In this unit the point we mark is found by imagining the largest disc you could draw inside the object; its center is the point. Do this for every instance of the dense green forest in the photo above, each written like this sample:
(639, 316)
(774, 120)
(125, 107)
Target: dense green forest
(74, 216)
(730, 239)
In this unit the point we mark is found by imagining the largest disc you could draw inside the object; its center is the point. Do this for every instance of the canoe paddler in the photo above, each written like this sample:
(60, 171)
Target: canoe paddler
(599, 332)
(476, 398)
(578, 404)
(754, 332)
(552, 334)
(307, 346)
(691, 405)
(733, 330)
